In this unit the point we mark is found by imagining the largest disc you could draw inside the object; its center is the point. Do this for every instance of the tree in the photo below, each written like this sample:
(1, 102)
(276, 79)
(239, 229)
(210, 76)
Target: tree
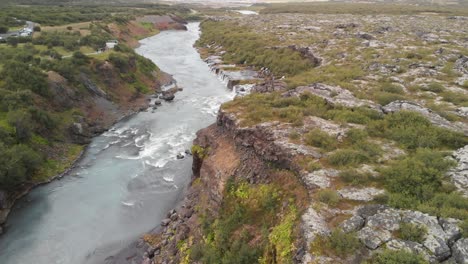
(22, 122)
(13, 41)
(3, 29)
(21, 76)
(17, 165)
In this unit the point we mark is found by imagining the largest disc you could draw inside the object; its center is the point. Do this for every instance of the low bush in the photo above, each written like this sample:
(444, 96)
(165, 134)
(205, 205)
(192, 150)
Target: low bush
(433, 87)
(320, 139)
(355, 178)
(418, 176)
(391, 88)
(398, 257)
(329, 197)
(339, 244)
(348, 157)
(412, 232)
(412, 130)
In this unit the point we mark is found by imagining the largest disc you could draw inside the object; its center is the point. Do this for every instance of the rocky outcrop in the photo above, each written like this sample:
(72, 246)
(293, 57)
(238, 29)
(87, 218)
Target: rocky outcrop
(459, 174)
(376, 226)
(426, 112)
(308, 53)
(334, 95)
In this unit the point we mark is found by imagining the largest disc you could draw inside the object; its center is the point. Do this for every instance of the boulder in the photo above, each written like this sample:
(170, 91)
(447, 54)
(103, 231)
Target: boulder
(371, 209)
(388, 220)
(460, 251)
(165, 222)
(167, 96)
(374, 238)
(360, 194)
(352, 224)
(413, 247)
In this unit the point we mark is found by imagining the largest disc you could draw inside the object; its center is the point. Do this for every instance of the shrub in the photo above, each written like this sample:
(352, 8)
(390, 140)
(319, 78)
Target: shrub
(360, 115)
(412, 130)
(398, 257)
(464, 228)
(329, 197)
(294, 135)
(385, 98)
(433, 87)
(456, 98)
(17, 164)
(348, 157)
(356, 178)
(320, 139)
(338, 243)
(391, 88)
(418, 176)
(412, 232)
(356, 135)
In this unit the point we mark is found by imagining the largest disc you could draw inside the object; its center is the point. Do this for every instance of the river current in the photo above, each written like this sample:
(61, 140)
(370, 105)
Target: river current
(128, 178)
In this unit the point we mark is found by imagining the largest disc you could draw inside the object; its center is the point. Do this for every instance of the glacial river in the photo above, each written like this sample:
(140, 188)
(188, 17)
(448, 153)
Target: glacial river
(128, 178)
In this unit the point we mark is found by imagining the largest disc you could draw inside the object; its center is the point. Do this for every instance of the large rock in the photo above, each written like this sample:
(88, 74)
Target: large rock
(319, 179)
(426, 112)
(352, 224)
(374, 238)
(360, 194)
(413, 247)
(459, 174)
(460, 251)
(388, 220)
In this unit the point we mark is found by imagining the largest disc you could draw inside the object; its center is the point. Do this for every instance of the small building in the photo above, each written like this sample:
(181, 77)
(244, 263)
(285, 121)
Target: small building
(110, 44)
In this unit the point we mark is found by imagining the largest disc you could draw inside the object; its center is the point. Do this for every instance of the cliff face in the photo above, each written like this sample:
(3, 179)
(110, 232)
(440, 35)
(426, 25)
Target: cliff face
(226, 156)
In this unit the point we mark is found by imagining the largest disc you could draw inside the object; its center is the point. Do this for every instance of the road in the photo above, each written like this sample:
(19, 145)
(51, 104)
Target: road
(29, 24)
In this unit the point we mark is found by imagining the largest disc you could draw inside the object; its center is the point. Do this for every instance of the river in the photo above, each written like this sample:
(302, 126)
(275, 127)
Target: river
(128, 178)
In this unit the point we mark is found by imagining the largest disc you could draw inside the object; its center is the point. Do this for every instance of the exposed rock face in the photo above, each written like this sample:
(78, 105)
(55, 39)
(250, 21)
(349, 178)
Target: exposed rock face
(429, 114)
(270, 85)
(308, 53)
(381, 223)
(459, 174)
(460, 251)
(364, 194)
(332, 94)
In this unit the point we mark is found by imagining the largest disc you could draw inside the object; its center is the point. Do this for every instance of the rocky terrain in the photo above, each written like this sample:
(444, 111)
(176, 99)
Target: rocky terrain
(371, 133)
